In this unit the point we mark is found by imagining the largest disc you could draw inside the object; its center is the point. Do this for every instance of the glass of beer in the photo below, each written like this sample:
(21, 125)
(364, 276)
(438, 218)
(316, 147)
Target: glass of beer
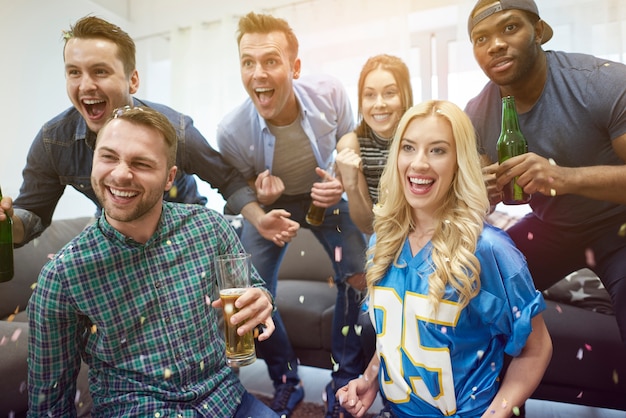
(233, 279)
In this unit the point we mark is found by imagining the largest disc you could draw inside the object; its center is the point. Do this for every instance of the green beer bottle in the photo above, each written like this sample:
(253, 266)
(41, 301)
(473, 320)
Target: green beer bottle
(510, 144)
(6, 248)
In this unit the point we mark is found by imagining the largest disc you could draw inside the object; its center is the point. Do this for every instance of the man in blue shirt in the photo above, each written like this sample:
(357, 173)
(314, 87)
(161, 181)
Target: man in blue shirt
(130, 294)
(279, 139)
(572, 111)
(101, 76)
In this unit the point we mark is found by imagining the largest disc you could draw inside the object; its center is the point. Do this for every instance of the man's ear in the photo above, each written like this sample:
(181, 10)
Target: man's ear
(133, 82)
(171, 176)
(539, 31)
(296, 69)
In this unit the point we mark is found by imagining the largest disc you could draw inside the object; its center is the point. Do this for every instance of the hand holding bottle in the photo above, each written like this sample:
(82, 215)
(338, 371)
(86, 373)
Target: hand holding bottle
(323, 194)
(6, 241)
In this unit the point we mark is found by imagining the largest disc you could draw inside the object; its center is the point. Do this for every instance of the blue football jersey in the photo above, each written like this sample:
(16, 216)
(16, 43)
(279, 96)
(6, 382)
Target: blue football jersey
(447, 364)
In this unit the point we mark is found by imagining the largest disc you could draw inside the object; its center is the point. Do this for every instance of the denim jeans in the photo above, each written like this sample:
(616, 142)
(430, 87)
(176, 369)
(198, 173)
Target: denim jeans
(252, 407)
(337, 234)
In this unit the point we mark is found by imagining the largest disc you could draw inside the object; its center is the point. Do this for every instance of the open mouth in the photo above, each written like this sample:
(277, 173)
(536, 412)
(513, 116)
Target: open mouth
(264, 95)
(95, 108)
(420, 184)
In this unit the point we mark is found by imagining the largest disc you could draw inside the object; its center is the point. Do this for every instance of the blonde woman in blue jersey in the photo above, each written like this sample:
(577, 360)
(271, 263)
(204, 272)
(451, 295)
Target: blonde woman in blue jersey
(449, 295)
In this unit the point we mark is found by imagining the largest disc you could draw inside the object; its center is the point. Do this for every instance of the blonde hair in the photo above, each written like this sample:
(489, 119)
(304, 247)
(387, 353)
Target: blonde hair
(460, 217)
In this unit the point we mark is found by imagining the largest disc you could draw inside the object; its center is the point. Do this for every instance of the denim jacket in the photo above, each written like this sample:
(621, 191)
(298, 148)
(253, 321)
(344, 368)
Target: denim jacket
(62, 153)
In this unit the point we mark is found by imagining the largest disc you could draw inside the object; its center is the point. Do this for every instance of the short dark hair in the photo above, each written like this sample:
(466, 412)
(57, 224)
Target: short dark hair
(91, 27)
(262, 23)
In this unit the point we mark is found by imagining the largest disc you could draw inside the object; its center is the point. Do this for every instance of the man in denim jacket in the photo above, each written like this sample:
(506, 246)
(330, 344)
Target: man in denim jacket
(100, 77)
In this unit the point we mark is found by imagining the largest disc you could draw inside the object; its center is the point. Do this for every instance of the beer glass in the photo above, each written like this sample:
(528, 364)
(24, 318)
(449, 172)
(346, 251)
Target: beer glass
(233, 279)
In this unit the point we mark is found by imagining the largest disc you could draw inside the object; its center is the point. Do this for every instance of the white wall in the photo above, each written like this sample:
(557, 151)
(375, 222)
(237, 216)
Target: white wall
(187, 55)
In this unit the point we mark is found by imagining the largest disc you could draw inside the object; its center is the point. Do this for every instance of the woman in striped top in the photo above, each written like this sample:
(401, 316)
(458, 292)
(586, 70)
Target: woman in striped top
(384, 95)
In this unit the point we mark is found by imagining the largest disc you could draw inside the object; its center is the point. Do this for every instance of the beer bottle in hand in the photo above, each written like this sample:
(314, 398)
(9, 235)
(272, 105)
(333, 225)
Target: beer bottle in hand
(510, 144)
(6, 248)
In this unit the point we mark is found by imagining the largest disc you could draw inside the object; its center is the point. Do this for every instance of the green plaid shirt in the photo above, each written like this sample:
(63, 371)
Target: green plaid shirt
(139, 316)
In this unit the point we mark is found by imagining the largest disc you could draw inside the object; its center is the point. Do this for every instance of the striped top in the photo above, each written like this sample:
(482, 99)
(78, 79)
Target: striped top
(139, 315)
(374, 153)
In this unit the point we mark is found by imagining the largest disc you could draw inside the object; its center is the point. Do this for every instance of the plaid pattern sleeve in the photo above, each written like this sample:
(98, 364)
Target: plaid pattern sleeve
(140, 316)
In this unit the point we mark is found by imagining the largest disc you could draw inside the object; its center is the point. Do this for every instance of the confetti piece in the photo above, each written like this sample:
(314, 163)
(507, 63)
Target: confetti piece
(301, 299)
(94, 329)
(580, 395)
(588, 347)
(345, 330)
(615, 377)
(167, 373)
(207, 300)
(516, 411)
(33, 286)
(301, 253)
(338, 254)
(168, 242)
(551, 161)
(590, 257)
(622, 231)
(289, 365)
(530, 236)
(358, 329)
(336, 211)
(16, 334)
(480, 354)
(202, 365)
(579, 355)
(444, 330)
(504, 403)
(142, 320)
(559, 309)
(174, 191)
(284, 378)
(473, 396)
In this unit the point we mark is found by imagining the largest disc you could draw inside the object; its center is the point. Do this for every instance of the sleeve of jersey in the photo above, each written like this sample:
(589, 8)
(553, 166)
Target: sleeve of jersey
(505, 280)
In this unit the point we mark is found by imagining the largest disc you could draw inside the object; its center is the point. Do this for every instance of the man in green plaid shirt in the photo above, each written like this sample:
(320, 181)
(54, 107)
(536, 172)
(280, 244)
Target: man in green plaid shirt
(131, 295)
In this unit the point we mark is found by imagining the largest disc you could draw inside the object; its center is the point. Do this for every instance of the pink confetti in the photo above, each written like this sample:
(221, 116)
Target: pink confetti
(338, 254)
(16, 334)
(207, 300)
(530, 236)
(444, 330)
(588, 347)
(590, 257)
(559, 309)
(580, 395)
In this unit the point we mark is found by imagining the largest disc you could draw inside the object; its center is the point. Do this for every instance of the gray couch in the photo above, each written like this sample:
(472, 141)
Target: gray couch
(588, 366)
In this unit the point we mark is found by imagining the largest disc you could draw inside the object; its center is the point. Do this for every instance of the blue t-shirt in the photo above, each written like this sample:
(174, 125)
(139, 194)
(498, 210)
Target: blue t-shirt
(581, 110)
(448, 363)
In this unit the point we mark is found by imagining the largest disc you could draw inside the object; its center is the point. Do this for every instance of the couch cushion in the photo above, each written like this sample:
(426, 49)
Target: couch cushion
(29, 260)
(306, 259)
(306, 307)
(583, 289)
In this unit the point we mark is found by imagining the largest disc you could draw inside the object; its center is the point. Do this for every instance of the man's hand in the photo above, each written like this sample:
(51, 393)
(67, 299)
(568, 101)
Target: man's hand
(6, 208)
(255, 308)
(276, 226)
(268, 188)
(489, 175)
(534, 174)
(328, 192)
